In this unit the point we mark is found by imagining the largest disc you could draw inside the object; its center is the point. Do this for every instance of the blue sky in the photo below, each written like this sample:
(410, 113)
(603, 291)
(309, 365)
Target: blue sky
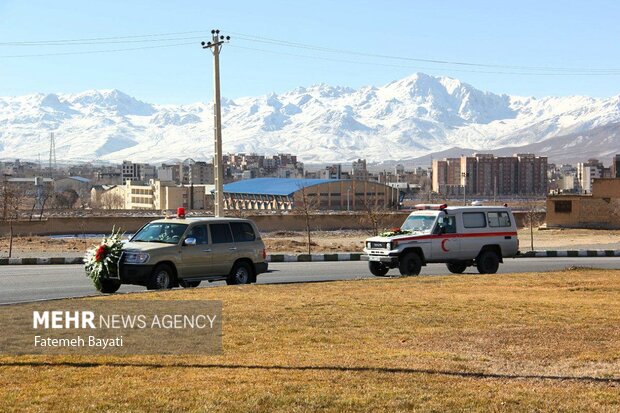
(560, 35)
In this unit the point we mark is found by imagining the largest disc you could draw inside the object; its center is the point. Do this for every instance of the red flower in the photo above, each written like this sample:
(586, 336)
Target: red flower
(395, 229)
(100, 253)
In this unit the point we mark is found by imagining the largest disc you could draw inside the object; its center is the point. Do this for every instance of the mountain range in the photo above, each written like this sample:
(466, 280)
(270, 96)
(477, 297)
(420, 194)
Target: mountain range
(404, 120)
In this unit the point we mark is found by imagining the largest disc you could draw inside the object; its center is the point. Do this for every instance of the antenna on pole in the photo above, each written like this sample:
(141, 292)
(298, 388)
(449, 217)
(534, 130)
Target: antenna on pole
(216, 45)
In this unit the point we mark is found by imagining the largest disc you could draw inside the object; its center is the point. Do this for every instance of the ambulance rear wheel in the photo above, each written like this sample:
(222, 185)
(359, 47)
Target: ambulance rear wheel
(487, 262)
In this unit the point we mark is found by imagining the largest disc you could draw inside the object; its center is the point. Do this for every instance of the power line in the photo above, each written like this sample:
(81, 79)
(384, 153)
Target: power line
(261, 39)
(461, 66)
(341, 51)
(84, 52)
(82, 43)
(333, 59)
(70, 41)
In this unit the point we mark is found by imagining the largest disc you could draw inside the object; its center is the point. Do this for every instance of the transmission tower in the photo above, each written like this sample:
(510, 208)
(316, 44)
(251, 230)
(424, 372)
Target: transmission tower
(52, 163)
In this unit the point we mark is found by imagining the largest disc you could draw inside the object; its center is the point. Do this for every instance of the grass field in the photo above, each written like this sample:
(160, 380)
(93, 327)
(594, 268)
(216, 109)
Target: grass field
(527, 342)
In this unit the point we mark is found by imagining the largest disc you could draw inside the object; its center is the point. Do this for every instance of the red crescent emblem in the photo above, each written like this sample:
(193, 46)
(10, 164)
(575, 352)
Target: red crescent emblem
(443, 245)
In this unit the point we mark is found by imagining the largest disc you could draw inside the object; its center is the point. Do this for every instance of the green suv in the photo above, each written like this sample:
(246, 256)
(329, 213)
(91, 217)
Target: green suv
(185, 251)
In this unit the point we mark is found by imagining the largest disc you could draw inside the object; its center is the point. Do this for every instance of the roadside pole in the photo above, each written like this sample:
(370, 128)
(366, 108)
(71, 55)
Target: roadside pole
(216, 45)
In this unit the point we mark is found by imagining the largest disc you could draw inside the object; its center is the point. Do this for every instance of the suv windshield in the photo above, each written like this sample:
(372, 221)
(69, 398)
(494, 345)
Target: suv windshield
(160, 232)
(419, 223)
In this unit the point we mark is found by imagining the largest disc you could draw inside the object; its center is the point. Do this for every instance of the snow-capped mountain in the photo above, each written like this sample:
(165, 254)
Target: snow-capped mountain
(404, 119)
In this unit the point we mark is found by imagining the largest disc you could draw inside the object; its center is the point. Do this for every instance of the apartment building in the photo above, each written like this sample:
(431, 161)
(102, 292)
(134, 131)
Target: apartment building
(488, 175)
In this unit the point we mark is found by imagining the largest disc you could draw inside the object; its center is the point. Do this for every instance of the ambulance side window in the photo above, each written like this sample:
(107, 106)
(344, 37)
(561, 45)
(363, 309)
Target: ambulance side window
(474, 220)
(446, 225)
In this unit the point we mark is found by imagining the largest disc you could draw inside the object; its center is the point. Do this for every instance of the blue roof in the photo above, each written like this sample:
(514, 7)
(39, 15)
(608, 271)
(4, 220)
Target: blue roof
(272, 186)
(80, 179)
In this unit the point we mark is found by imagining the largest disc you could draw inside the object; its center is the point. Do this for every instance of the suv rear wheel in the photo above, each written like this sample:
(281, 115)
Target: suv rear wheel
(487, 262)
(410, 264)
(240, 274)
(378, 269)
(162, 277)
(456, 267)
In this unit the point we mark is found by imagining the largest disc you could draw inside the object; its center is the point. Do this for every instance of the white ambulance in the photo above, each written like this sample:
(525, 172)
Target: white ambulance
(458, 236)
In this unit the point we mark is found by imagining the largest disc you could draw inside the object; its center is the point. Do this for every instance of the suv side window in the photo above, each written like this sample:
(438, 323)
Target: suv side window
(242, 231)
(474, 220)
(499, 219)
(200, 232)
(220, 233)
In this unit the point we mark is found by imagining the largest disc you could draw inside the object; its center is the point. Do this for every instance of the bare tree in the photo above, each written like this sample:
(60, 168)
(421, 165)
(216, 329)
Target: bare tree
(307, 207)
(40, 198)
(13, 196)
(111, 200)
(375, 217)
(66, 199)
(533, 218)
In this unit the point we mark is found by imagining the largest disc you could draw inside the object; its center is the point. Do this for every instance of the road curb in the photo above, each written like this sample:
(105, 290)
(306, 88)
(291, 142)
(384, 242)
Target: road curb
(569, 253)
(340, 256)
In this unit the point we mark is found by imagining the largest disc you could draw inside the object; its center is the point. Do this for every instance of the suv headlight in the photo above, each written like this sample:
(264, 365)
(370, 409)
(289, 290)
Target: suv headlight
(135, 257)
(388, 246)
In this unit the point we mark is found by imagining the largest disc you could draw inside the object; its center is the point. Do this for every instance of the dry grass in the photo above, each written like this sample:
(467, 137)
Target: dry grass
(526, 342)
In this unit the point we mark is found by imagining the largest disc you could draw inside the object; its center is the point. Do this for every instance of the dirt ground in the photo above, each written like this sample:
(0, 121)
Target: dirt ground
(324, 241)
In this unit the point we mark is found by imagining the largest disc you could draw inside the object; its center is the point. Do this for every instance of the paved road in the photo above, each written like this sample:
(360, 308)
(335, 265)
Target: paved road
(22, 283)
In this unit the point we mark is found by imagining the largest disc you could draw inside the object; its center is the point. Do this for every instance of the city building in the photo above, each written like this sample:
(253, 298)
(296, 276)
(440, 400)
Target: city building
(80, 185)
(446, 176)
(488, 175)
(587, 172)
(323, 194)
(359, 171)
(331, 172)
(615, 166)
(137, 172)
(155, 194)
(597, 209)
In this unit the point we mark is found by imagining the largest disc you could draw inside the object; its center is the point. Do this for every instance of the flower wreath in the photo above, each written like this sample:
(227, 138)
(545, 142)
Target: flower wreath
(102, 260)
(394, 231)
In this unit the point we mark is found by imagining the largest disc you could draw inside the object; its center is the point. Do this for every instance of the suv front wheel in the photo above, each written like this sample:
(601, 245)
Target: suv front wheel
(161, 279)
(108, 286)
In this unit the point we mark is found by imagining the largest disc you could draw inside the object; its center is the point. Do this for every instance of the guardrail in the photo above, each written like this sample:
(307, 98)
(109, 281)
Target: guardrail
(340, 256)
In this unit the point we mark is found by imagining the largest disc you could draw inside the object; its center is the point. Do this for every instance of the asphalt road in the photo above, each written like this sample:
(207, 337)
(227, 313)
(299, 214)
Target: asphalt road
(24, 283)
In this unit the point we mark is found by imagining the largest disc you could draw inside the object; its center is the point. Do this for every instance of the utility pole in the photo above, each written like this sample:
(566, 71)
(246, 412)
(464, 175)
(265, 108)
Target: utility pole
(216, 45)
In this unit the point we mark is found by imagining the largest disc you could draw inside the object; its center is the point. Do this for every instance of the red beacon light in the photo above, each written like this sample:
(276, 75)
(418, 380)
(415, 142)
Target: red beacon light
(180, 212)
(437, 207)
